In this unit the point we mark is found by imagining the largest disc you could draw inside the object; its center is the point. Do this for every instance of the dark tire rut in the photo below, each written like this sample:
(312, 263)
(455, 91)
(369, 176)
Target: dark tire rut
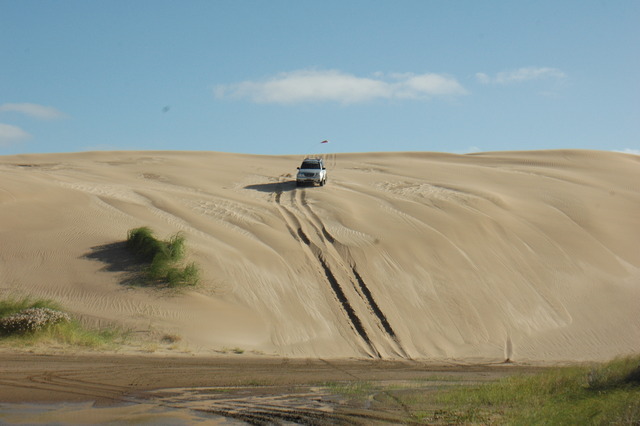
(329, 253)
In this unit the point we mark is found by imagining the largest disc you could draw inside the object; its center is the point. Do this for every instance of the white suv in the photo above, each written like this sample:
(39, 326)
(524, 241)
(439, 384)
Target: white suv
(312, 171)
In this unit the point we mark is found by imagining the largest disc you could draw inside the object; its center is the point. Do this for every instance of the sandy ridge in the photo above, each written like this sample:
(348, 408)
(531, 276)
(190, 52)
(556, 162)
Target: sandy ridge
(521, 255)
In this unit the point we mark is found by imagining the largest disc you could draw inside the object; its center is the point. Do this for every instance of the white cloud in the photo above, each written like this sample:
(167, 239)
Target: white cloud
(483, 78)
(10, 134)
(333, 85)
(521, 75)
(34, 110)
(424, 85)
(629, 151)
(469, 150)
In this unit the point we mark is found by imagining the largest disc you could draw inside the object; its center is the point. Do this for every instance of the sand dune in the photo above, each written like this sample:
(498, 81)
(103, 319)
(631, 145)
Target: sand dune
(520, 255)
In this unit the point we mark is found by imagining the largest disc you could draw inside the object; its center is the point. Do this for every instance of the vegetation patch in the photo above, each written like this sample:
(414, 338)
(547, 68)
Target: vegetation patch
(352, 389)
(162, 258)
(28, 322)
(600, 394)
(170, 338)
(31, 320)
(12, 306)
(236, 350)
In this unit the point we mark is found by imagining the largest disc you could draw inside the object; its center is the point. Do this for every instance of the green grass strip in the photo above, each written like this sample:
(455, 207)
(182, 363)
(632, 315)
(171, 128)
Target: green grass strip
(600, 394)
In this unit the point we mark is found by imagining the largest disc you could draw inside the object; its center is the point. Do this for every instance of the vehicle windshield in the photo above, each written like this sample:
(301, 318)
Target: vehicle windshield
(310, 165)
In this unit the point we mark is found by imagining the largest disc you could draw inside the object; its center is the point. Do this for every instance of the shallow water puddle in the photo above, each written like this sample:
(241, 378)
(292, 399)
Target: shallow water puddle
(255, 404)
(89, 413)
(177, 406)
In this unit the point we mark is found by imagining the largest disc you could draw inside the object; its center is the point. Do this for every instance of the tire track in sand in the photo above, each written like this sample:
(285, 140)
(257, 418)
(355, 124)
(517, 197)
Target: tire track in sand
(294, 225)
(300, 215)
(361, 289)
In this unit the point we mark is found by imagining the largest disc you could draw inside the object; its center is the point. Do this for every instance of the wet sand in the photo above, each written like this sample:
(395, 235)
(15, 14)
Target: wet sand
(91, 388)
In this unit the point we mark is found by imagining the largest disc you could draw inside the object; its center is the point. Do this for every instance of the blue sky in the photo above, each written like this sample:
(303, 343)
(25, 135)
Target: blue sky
(278, 77)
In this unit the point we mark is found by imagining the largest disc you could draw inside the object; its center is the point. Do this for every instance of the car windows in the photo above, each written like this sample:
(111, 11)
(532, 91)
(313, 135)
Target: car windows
(310, 165)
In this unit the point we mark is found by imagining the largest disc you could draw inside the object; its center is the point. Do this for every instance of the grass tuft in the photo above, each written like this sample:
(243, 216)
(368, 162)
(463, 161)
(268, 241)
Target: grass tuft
(13, 306)
(28, 322)
(163, 258)
(31, 320)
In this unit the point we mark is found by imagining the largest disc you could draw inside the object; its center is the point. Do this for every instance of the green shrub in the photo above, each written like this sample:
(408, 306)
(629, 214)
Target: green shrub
(147, 248)
(162, 257)
(617, 373)
(189, 275)
(26, 321)
(31, 320)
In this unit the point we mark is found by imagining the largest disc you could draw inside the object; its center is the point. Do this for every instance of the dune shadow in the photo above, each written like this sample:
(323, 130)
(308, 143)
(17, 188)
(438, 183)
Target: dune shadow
(273, 187)
(117, 258)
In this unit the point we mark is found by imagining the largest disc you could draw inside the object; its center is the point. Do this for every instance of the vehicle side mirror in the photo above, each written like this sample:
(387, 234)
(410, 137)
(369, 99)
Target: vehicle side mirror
(298, 168)
(324, 168)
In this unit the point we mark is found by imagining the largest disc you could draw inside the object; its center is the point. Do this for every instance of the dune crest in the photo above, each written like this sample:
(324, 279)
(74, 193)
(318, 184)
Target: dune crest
(507, 255)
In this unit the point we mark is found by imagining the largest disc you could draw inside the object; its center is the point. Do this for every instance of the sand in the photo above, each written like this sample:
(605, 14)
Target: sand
(117, 389)
(530, 256)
